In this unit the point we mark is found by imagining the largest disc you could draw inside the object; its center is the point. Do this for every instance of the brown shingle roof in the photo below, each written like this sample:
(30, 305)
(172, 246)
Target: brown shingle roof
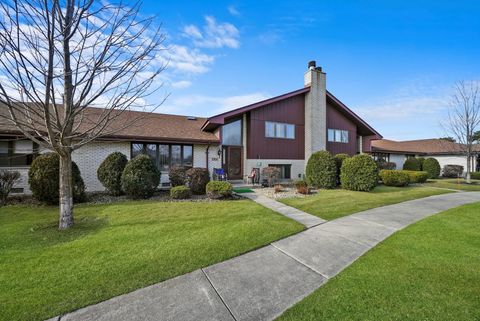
(421, 146)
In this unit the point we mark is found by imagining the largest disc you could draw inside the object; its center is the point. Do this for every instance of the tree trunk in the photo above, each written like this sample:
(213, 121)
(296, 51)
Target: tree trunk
(468, 178)
(66, 191)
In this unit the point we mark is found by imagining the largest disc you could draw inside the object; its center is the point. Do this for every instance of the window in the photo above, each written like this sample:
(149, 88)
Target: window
(165, 155)
(285, 170)
(232, 133)
(17, 152)
(337, 136)
(279, 130)
(381, 157)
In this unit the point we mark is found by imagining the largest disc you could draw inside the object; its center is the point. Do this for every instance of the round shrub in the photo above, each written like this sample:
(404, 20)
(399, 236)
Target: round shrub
(321, 171)
(180, 192)
(421, 160)
(140, 177)
(417, 176)
(432, 167)
(44, 179)
(394, 178)
(412, 164)
(219, 189)
(359, 173)
(197, 179)
(339, 158)
(177, 175)
(110, 171)
(452, 171)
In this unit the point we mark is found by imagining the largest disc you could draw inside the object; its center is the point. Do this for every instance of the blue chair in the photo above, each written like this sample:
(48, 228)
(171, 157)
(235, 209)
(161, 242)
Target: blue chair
(219, 174)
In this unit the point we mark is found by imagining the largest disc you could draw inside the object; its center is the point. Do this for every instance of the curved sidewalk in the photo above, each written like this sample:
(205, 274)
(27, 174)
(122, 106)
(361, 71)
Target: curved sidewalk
(262, 284)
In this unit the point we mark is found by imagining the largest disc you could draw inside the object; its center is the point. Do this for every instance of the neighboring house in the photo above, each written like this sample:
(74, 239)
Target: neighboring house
(282, 131)
(444, 151)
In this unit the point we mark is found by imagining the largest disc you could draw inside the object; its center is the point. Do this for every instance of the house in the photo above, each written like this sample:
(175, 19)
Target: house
(282, 131)
(446, 152)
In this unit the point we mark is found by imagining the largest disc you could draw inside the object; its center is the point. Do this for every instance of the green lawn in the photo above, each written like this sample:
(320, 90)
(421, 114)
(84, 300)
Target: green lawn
(428, 271)
(331, 204)
(114, 249)
(454, 184)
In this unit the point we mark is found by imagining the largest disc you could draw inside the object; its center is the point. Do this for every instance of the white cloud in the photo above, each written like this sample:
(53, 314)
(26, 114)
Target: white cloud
(233, 10)
(187, 60)
(181, 84)
(213, 34)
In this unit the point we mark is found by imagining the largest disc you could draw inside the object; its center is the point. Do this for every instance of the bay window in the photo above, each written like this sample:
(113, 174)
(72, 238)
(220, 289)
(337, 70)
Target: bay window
(165, 156)
(17, 152)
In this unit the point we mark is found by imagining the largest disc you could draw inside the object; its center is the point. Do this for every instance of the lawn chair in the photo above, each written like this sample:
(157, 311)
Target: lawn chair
(254, 177)
(219, 174)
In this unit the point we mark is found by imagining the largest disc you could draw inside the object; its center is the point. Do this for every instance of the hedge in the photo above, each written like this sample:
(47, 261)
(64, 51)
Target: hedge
(417, 176)
(219, 189)
(321, 171)
(412, 164)
(432, 167)
(140, 177)
(475, 175)
(177, 175)
(197, 179)
(339, 158)
(110, 171)
(359, 173)
(394, 178)
(180, 192)
(452, 171)
(44, 179)
(421, 160)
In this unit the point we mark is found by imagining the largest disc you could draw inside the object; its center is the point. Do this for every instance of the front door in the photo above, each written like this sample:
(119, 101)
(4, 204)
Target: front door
(233, 162)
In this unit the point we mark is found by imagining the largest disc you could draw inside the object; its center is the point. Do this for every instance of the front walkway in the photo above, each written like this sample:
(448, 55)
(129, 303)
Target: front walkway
(262, 284)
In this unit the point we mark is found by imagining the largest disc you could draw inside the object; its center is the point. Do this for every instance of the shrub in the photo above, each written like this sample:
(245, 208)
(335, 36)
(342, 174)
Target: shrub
(412, 164)
(475, 175)
(386, 165)
(359, 173)
(321, 170)
(44, 179)
(417, 176)
(140, 177)
(110, 171)
(197, 179)
(277, 188)
(394, 178)
(219, 189)
(432, 167)
(452, 171)
(339, 158)
(7, 180)
(271, 174)
(180, 192)
(301, 186)
(177, 175)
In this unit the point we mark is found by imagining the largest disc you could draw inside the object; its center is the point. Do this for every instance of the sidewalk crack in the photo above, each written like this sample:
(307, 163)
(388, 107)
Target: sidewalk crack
(221, 299)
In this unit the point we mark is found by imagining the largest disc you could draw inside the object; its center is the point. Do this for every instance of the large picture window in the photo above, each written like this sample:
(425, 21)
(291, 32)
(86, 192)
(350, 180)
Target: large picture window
(337, 136)
(279, 130)
(165, 155)
(232, 133)
(17, 152)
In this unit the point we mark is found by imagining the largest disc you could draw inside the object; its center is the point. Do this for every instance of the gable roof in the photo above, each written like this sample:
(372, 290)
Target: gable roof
(433, 146)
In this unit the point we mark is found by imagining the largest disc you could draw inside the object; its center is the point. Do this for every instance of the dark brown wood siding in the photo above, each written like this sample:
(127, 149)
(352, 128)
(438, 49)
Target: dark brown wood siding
(335, 120)
(291, 111)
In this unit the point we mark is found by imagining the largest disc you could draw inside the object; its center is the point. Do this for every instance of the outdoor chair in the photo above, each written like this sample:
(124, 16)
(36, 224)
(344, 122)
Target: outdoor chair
(219, 174)
(254, 176)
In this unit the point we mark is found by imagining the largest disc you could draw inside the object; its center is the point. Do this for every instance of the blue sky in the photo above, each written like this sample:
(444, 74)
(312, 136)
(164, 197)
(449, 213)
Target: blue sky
(392, 62)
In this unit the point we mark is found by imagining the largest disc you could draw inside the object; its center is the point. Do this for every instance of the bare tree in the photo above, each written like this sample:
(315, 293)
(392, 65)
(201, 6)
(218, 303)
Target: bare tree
(463, 119)
(59, 58)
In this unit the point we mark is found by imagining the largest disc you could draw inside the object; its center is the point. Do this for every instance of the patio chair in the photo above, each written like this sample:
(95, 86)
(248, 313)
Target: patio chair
(254, 176)
(219, 174)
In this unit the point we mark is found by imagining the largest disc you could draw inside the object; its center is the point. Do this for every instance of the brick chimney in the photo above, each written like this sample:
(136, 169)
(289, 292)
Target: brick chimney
(315, 110)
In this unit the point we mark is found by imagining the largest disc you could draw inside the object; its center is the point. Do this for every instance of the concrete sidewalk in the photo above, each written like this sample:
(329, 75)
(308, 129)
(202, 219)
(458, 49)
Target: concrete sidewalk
(262, 284)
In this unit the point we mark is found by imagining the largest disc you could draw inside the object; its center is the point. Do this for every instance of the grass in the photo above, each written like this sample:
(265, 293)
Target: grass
(331, 204)
(116, 248)
(453, 183)
(241, 190)
(428, 271)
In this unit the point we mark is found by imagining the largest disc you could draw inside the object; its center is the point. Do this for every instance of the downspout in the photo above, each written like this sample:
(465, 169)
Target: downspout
(206, 157)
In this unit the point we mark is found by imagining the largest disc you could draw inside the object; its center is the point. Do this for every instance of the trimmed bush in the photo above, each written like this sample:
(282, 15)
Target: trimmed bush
(219, 189)
(386, 165)
(359, 173)
(7, 180)
(452, 171)
(432, 167)
(302, 187)
(197, 179)
(44, 179)
(140, 177)
(271, 174)
(417, 176)
(110, 171)
(421, 160)
(177, 175)
(180, 192)
(394, 178)
(321, 171)
(412, 164)
(339, 158)
(475, 175)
